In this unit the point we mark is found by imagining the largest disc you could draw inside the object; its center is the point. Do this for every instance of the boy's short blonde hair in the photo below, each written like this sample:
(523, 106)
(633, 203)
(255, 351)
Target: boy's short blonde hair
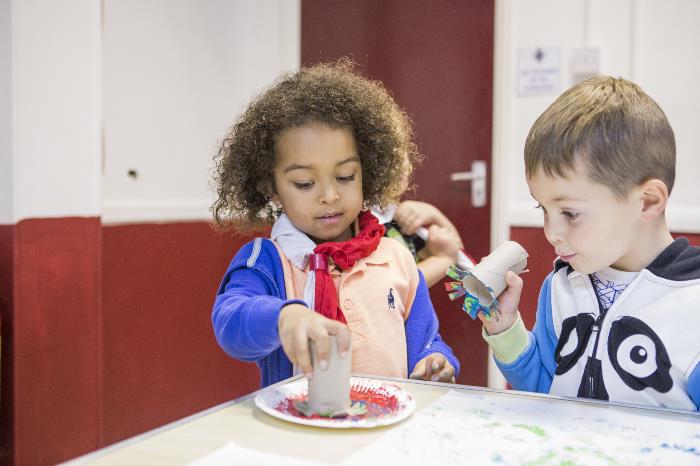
(616, 131)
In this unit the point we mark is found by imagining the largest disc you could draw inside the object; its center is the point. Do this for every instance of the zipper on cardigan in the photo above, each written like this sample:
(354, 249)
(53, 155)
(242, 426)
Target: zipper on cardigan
(268, 372)
(596, 329)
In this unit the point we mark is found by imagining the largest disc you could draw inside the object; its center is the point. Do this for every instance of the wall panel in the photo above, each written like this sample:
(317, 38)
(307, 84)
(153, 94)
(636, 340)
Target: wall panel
(51, 396)
(161, 361)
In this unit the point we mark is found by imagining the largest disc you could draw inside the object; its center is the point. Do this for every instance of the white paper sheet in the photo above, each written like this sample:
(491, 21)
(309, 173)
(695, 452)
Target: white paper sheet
(232, 454)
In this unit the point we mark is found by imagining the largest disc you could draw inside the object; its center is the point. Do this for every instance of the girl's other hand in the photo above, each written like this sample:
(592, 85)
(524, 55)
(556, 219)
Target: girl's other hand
(298, 324)
(508, 306)
(434, 367)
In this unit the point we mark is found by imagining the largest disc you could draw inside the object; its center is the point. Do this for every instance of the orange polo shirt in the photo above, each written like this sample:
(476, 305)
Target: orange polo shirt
(376, 297)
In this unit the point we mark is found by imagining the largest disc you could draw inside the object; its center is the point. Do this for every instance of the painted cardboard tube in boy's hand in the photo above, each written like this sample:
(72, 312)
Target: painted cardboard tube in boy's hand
(482, 285)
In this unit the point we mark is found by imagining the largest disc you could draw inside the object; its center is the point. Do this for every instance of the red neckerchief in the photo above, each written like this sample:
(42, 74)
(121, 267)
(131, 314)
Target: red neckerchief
(344, 254)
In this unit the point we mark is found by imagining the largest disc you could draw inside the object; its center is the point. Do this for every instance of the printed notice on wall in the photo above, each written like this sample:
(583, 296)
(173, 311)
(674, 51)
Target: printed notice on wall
(539, 71)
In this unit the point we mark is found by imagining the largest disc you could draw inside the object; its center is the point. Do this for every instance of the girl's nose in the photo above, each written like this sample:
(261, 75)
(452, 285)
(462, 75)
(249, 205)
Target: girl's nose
(329, 194)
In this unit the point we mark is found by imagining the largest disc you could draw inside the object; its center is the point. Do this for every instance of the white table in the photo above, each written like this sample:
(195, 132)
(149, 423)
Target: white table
(452, 424)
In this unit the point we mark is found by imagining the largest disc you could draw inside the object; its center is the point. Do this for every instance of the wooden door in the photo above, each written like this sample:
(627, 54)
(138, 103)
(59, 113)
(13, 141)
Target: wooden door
(436, 57)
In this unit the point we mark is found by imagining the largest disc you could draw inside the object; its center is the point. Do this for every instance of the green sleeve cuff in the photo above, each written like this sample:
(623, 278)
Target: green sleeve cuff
(508, 345)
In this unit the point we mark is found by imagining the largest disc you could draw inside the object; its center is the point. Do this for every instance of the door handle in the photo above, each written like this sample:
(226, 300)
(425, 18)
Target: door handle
(477, 176)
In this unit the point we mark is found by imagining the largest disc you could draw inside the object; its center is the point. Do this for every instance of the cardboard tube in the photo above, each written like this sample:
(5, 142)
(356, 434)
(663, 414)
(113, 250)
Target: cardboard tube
(487, 279)
(329, 390)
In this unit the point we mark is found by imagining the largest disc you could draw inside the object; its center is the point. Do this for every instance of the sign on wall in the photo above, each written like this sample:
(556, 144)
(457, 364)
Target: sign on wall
(539, 71)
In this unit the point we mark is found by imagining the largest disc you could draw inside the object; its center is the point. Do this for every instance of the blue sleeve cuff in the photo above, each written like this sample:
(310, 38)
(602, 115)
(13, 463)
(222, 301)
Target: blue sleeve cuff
(694, 386)
(422, 332)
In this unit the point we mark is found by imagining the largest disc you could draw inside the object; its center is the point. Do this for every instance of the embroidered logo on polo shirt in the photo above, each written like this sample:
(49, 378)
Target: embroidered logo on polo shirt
(390, 299)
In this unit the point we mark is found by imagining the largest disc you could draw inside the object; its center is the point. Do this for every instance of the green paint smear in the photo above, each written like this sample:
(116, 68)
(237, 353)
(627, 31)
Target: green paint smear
(550, 458)
(596, 453)
(540, 461)
(534, 429)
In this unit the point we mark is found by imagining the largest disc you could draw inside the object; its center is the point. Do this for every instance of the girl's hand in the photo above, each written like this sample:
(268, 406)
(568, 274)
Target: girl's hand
(508, 306)
(443, 242)
(412, 215)
(298, 324)
(434, 367)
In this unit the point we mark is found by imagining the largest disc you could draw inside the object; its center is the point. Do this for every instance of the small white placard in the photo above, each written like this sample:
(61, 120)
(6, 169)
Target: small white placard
(539, 71)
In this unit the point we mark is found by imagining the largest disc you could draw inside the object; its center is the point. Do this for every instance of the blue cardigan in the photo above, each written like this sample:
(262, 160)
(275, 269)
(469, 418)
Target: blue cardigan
(252, 293)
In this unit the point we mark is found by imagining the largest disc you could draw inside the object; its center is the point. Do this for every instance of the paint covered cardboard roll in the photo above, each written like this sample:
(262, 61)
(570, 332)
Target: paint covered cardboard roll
(329, 390)
(487, 279)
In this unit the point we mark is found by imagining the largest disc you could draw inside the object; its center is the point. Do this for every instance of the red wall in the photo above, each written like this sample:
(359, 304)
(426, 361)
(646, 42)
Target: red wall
(106, 333)
(161, 360)
(540, 264)
(51, 339)
(7, 235)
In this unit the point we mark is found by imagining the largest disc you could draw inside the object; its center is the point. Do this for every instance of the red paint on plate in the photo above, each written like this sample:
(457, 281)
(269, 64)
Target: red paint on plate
(378, 400)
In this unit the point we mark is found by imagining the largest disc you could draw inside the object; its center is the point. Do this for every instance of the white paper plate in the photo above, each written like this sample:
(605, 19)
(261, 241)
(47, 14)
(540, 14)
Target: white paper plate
(387, 404)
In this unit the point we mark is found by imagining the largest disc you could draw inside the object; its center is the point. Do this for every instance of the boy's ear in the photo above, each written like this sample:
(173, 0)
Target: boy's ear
(654, 194)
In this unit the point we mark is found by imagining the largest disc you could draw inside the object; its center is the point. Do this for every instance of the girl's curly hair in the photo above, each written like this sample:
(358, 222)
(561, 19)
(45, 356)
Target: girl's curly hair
(333, 94)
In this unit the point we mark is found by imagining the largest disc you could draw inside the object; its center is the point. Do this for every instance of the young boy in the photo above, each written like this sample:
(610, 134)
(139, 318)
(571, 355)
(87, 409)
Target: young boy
(619, 317)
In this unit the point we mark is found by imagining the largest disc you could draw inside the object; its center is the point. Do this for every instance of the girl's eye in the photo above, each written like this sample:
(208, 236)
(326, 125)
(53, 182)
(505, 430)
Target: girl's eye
(303, 185)
(346, 179)
(572, 215)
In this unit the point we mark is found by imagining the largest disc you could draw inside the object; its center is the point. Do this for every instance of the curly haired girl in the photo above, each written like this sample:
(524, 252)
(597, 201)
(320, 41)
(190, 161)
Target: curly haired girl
(309, 157)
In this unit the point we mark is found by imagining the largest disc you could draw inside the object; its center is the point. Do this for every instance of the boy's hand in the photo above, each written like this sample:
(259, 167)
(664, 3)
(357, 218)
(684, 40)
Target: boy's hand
(443, 242)
(434, 367)
(297, 324)
(508, 306)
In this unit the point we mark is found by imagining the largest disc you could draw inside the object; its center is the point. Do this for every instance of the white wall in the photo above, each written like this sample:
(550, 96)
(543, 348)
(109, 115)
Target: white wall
(90, 90)
(652, 42)
(176, 73)
(666, 61)
(6, 184)
(50, 101)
